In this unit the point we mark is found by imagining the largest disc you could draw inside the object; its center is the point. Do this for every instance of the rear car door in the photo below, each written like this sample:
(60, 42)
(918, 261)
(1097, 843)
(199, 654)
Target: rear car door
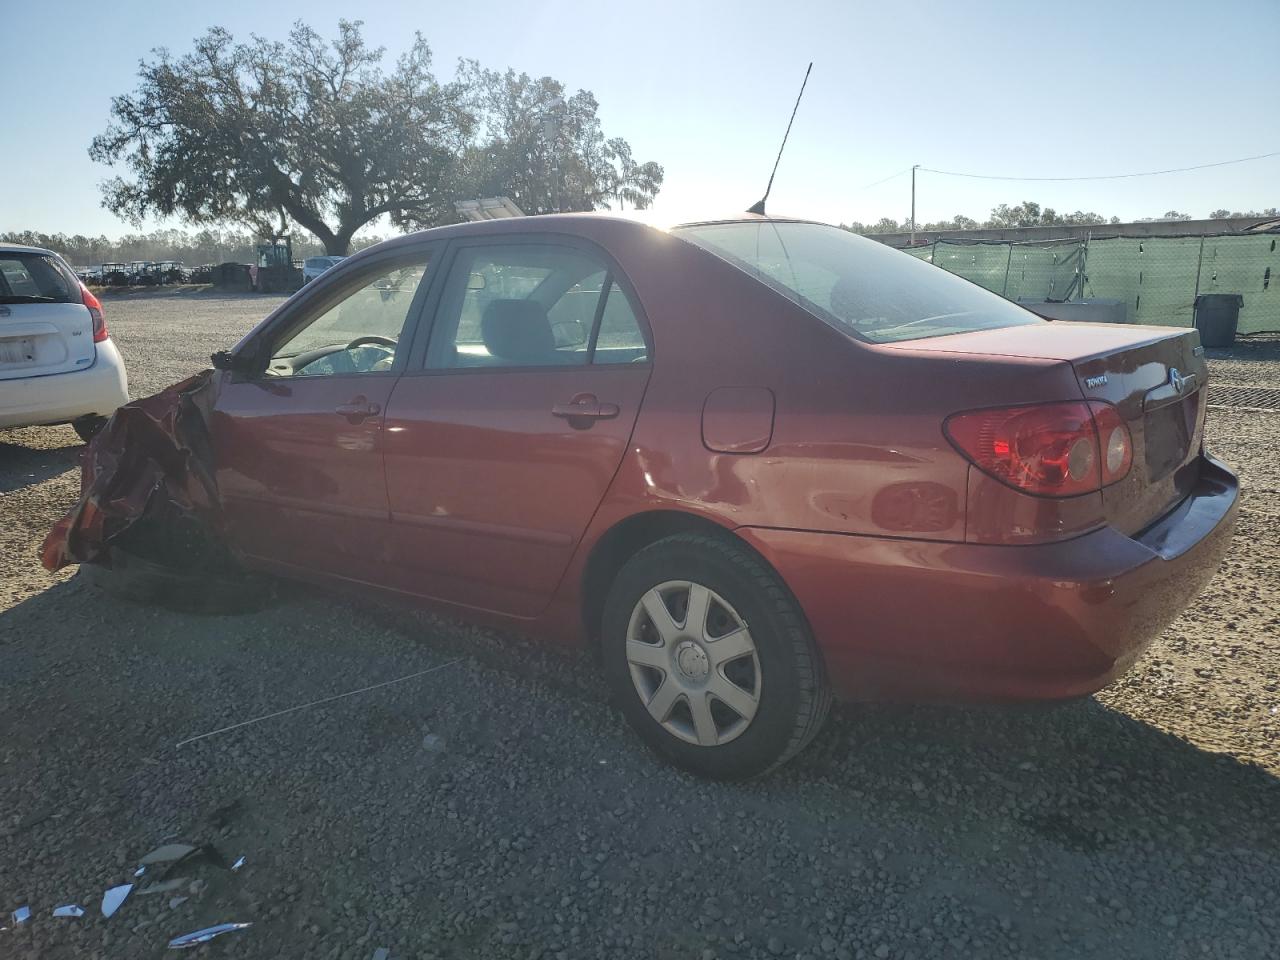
(299, 445)
(500, 447)
(44, 326)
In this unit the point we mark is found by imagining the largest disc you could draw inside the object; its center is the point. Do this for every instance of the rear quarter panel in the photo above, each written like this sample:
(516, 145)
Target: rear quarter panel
(857, 443)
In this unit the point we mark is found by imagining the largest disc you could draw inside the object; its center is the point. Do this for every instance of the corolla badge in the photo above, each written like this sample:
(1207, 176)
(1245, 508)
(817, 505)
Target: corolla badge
(1177, 380)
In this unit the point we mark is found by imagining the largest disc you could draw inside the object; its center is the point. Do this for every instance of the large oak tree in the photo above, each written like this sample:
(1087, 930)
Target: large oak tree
(545, 149)
(305, 131)
(315, 134)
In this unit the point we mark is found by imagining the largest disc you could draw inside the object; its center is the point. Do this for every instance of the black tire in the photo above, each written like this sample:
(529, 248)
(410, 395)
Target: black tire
(87, 428)
(794, 697)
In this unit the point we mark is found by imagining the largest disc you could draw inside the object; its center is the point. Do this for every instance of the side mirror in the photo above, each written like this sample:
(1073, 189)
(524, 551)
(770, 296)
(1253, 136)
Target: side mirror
(235, 362)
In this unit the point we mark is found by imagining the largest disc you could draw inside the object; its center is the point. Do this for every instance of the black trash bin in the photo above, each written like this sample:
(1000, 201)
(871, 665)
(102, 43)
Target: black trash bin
(1217, 317)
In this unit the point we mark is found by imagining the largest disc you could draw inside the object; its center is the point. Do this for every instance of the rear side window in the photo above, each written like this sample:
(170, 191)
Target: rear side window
(36, 278)
(854, 284)
(532, 305)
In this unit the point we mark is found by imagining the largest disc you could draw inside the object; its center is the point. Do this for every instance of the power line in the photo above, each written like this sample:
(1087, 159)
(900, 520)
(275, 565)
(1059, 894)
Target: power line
(891, 176)
(1110, 176)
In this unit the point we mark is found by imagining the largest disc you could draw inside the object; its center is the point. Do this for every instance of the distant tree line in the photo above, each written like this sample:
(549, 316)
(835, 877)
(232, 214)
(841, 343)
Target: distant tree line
(192, 248)
(1031, 214)
(315, 133)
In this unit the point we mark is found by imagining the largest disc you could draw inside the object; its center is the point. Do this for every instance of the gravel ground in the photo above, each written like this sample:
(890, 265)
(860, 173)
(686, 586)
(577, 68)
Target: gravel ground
(498, 808)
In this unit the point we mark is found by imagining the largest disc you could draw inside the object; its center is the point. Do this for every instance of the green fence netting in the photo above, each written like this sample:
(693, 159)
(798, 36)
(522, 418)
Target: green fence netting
(1157, 278)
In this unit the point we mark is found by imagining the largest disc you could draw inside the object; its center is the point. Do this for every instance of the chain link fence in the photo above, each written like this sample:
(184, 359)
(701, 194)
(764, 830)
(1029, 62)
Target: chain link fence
(1156, 278)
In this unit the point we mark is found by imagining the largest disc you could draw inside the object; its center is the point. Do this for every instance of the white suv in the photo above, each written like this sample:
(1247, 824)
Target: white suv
(57, 364)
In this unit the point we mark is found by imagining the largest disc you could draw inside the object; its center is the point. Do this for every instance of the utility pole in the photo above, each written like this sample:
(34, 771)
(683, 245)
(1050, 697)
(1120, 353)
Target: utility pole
(913, 203)
(551, 133)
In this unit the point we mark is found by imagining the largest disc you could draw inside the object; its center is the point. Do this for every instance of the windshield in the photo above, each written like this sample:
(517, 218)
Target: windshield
(854, 284)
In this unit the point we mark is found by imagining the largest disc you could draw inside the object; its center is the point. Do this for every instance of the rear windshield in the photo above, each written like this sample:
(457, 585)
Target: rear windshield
(854, 284)
(36, 278)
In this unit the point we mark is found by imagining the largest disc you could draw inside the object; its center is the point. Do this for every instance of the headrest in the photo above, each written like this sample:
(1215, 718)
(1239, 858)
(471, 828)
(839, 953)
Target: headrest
(518, 331)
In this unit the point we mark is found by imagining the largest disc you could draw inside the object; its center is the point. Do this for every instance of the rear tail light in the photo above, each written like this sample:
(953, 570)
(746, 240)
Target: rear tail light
(1114, 442)
(95, 311)
(1050, 449)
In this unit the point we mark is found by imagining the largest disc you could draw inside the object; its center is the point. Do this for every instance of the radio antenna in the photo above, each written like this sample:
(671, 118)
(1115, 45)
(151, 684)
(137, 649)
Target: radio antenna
(758, 207)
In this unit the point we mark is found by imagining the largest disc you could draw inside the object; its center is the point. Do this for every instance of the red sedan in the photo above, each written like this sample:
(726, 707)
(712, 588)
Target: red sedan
(757, 462)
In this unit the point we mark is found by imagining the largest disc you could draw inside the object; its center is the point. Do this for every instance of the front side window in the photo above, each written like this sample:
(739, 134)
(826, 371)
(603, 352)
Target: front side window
(532, 305)
(856, 285)
(360, 332)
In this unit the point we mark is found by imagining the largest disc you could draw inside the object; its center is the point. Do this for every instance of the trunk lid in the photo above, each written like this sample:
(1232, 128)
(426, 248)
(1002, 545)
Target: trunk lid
(45, 327)
(37, 339)
(1155, 376)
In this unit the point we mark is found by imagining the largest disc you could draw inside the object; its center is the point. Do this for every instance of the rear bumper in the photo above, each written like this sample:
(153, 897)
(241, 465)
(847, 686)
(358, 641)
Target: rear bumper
(904, 619)
(63, 397)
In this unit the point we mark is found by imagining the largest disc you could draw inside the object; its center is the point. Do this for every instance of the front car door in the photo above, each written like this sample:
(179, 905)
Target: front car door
(299, 444)
(502, 443)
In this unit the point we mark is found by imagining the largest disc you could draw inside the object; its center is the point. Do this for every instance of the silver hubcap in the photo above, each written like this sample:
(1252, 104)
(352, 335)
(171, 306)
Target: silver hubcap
(693, 663)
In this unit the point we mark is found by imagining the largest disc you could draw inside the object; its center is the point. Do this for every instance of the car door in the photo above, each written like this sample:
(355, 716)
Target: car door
(501, 446)
(299, 443)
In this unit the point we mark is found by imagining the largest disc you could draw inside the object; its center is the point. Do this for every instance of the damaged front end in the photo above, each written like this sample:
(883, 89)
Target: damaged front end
(149, 504)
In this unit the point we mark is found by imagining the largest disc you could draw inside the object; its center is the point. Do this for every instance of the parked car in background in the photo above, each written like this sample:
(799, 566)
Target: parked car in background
(171, 272)
(142, 273)
(114, 274)
(758, 462)
(57, 361)
(312, 267)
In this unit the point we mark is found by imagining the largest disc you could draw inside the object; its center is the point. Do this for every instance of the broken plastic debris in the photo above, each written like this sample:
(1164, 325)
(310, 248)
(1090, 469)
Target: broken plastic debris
(69, 910)
(139, 872)
(21, 915)
(170, 851)
(112, 899)
(238, 864)
(197, 937)
(382, 953)
(208, 852)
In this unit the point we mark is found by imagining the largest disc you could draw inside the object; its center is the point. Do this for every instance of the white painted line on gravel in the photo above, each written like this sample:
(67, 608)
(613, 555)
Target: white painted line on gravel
(315, 703)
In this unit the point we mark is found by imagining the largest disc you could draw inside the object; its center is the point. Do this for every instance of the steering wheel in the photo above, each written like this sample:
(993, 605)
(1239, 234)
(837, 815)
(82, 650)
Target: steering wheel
(370, 338)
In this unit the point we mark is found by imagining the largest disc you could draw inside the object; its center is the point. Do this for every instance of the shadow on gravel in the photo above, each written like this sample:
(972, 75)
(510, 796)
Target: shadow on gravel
(1079, 775)
(22, 466)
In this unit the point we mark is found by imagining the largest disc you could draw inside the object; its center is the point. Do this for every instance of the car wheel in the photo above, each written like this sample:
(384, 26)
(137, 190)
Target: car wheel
(710, 658)
(87, 427)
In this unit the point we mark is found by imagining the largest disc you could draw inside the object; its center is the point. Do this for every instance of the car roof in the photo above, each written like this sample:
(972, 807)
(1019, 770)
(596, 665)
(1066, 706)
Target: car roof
(22, 248)
(565, 223)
